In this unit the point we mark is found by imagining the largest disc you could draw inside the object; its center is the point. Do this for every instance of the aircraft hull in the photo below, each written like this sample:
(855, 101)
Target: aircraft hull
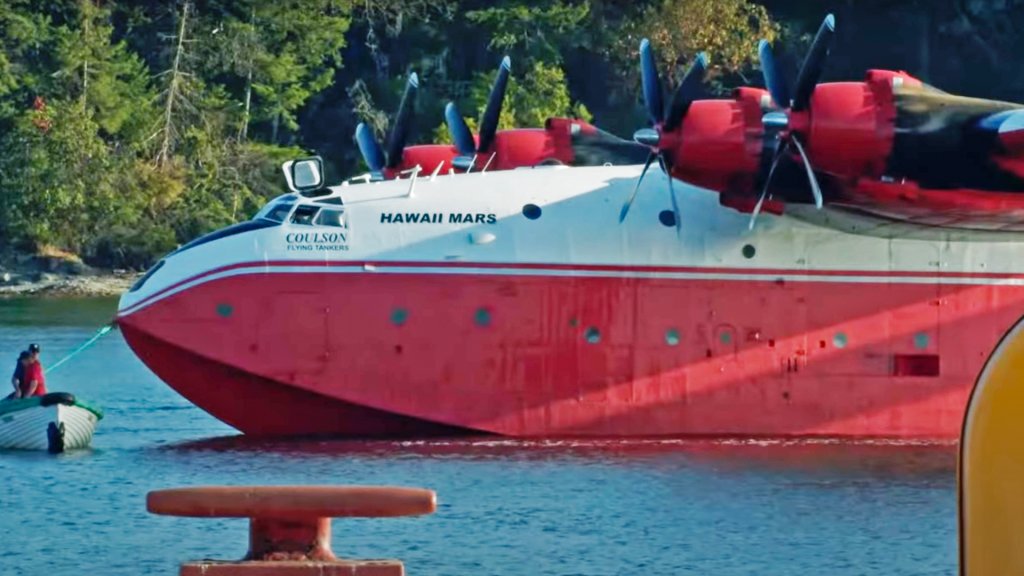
(293, 347)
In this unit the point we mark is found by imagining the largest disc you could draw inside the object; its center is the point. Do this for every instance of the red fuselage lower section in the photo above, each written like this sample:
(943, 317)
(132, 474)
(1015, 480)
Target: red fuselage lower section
(405, 349)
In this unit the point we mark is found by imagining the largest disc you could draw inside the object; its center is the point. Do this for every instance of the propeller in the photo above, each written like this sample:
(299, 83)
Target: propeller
(664, 119)
(371, 150)
(459, 130)
(797, 100)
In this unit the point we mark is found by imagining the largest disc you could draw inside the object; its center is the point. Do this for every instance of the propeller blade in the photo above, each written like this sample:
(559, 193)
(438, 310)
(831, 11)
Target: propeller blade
(780, 151)
(400, 133)
(671, 192)
(690, 89)
(368, 146)
(773, 79)
(464, 163)
(815, 189)
(459, 131)
(492, 114)
(814, 64)
(626, 206)
(651, 83)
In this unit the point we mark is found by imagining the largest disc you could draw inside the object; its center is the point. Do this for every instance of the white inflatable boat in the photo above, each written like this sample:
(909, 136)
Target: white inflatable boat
(55, 422)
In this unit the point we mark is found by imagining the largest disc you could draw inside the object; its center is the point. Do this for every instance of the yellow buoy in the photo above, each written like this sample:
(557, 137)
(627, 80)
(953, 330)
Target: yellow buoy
(991, 466)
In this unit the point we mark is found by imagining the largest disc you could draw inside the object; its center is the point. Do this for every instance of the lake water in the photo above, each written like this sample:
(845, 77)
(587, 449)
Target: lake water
(505, 507)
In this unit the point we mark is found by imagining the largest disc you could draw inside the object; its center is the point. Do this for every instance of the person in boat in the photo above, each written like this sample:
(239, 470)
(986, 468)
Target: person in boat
(19, 375)
(33, 351)
(33, 383)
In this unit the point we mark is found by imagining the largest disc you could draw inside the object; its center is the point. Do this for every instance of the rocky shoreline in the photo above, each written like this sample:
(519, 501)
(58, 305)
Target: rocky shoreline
(60, 277)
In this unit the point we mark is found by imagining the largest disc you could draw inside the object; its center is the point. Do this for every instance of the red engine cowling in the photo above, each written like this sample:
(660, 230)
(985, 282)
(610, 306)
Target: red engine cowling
(849, 126)
(719, 143)
(523, 147)
(426, 156)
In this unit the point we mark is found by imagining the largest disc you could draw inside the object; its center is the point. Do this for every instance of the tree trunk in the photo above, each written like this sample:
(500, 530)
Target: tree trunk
(172, 92)
(85, 83)
(86, 18)
(244, 132)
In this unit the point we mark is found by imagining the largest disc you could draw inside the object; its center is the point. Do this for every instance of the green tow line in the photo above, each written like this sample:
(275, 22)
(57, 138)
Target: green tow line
(14, 405)
(95, 337)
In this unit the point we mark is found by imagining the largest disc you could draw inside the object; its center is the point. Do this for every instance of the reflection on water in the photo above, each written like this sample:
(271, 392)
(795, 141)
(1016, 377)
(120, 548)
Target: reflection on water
(877, 457)
(39, 312)
(545, 507)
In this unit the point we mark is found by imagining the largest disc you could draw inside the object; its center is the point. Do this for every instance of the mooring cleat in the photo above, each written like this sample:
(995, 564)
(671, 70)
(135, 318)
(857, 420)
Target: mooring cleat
(290, 526)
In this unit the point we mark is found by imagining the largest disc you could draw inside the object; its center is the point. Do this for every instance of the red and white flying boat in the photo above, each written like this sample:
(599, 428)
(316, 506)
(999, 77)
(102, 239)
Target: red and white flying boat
(839, 262)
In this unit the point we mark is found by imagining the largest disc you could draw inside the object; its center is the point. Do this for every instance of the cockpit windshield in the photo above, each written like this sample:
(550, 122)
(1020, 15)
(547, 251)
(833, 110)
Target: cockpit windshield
(279, 212)
(327, 212)
(289, 208)
(312, 215)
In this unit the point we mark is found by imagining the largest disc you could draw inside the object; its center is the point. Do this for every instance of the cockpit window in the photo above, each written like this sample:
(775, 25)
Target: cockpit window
(330, 217)
(304, 215)
(279, 212)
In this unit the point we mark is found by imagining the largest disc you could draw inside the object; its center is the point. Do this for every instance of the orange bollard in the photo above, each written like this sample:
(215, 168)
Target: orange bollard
(290, 526)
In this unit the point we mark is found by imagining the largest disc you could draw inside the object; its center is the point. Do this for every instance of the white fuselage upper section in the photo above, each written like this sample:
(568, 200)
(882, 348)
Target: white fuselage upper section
(480, 218)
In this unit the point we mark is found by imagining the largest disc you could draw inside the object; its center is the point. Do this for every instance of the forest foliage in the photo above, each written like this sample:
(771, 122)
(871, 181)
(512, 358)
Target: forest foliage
(129, 127)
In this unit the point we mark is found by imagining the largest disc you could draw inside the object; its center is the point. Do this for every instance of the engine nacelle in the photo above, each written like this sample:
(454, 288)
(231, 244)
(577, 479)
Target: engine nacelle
(427, 157)
(720, 142)
(848, 127)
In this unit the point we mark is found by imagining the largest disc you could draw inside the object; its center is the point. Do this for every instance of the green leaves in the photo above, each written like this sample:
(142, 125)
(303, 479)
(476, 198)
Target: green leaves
(26, 38)
(149, 132)
(532, 32)
(536, 95)
(53, 160)
(110, 82)
(77, 171)
(728, 30)
(543, 93)
(283, 52)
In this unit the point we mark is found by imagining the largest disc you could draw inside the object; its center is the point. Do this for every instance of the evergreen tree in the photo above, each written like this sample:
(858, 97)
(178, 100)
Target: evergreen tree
(26, 43)
(110, 83)
(130, 126)
(274, 55)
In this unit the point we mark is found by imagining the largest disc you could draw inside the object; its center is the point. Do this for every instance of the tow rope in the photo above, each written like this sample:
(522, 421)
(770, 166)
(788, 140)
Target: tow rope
(95, 337)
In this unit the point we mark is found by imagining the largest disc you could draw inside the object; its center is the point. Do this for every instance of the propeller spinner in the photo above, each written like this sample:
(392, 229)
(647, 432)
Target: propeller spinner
(460, 133)
(664, 120)
(799, 103)
(371, 150)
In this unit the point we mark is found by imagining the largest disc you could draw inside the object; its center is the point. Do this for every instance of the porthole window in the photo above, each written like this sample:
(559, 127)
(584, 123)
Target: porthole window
(531, 211)
(672, 337)
(592, 335)
(399, 316)
(483, 317)
(749, 251)
(921, 340)
(667, 218)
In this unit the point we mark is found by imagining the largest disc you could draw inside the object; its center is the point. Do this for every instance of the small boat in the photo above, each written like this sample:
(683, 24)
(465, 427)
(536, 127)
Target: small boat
(55, 422)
